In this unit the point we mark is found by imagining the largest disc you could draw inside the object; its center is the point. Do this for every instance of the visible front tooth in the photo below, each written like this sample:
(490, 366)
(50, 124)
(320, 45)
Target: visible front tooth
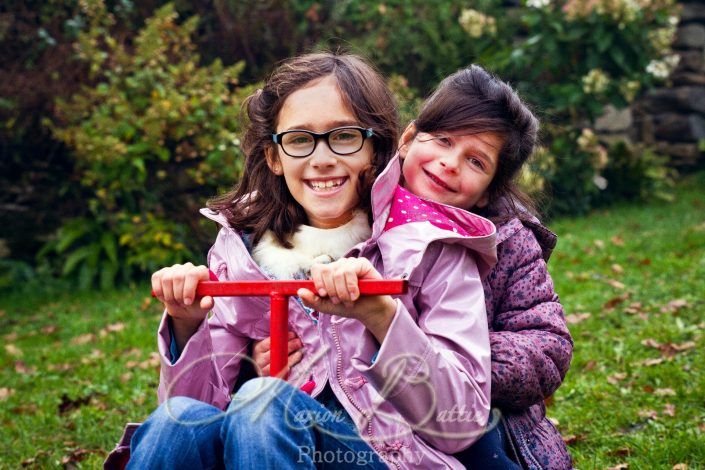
(329, 184)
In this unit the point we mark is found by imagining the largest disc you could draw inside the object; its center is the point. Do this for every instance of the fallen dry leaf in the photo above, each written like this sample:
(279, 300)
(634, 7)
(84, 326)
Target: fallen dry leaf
(617, 269)
(614, 301)
(60, 367)
(5, 393)
(651, 362)
(634, 308)
(680, 466)
(590, 365)
(599, 244)
(21, 368)
(665, 392)
(11, 336)
(616, 284)
(650, 414)
(13, 350)
(620, 452)
(614, 379)
(114, 328)
(617, 240)
(33, 460)
(83, 339)
(619, 466)
(575, 318)
(47, 330)
(573, 438)
(675, 305)
(669, 409)
(554, 421)
(77, 455)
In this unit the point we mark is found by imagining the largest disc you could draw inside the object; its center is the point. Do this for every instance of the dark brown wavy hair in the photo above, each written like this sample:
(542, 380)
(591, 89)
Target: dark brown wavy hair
(262, 200)
(474, 101)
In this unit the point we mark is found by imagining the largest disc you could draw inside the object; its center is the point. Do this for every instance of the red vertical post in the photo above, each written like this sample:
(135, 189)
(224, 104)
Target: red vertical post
(279, 320)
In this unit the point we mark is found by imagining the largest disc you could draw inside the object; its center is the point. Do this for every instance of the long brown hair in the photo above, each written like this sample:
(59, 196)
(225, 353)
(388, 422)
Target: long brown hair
(474, 101)
(262, 200)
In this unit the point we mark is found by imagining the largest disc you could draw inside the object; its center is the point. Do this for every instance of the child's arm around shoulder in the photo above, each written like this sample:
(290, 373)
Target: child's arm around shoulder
(531, 345)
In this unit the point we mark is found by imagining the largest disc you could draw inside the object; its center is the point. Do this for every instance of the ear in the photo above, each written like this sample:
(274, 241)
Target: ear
(405, 140)
(273, 160)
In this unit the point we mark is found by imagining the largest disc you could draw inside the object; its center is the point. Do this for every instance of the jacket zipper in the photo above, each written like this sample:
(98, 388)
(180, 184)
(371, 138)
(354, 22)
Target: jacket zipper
(339, 377)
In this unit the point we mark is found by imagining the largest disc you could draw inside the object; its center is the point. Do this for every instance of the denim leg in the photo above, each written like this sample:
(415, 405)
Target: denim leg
(181, 433)
(489, 452)
(271, 424)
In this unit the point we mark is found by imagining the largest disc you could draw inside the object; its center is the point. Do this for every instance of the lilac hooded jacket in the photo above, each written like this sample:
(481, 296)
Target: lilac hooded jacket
(434, 358)
(531, 344)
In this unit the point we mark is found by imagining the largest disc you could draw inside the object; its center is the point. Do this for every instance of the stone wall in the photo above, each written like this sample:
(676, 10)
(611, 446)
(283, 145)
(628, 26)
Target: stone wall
(673, 118)
(670, 118)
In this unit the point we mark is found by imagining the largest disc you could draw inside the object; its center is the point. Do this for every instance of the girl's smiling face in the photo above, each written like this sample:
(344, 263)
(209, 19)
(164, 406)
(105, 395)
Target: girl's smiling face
(324, 184)
(452, 169)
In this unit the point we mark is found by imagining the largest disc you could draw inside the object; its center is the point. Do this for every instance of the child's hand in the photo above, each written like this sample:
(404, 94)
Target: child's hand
(261, 354)
(338, 293)
(176, 288)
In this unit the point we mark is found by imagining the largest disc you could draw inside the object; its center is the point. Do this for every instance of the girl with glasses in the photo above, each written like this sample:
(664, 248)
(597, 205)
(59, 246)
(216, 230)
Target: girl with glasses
(389, 382)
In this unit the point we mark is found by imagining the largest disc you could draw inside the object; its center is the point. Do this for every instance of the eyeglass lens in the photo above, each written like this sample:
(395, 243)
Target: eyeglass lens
(341, 141)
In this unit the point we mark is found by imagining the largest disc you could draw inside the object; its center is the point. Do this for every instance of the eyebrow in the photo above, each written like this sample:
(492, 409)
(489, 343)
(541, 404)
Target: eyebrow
(329, 125)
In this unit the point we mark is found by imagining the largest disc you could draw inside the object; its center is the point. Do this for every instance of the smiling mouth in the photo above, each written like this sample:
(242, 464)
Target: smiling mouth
(326, 185)
(439, 182)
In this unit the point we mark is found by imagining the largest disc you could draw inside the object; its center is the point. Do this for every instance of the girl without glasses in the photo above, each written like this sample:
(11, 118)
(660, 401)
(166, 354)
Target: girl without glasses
(385, 375)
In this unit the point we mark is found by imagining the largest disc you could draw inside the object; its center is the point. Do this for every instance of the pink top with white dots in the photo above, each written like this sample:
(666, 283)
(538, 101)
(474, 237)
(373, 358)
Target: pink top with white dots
(407, 208)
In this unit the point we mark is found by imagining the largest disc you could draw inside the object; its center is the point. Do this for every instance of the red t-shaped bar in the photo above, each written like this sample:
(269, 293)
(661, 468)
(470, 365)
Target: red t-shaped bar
(279, 292)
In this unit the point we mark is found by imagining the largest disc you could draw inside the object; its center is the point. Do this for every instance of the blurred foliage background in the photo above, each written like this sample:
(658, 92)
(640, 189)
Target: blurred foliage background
(120, 118)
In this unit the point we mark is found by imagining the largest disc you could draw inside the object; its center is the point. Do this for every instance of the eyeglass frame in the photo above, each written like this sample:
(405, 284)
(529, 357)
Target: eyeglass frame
(366, 134)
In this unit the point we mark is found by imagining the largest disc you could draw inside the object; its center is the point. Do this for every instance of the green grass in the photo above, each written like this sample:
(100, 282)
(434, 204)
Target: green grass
(79, 365)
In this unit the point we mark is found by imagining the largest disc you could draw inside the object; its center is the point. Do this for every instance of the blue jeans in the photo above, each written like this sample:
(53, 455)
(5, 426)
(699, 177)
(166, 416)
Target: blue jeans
(268, 424)
(489, 452)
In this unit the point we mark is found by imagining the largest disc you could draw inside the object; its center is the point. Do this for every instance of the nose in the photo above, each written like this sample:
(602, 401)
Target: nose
(449, 162)
(322, 156)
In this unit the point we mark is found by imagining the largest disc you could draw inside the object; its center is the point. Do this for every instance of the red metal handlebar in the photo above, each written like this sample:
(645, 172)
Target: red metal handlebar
(279, 292)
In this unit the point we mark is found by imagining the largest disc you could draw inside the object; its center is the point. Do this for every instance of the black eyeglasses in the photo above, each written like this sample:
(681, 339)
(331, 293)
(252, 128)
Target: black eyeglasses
(299, 143)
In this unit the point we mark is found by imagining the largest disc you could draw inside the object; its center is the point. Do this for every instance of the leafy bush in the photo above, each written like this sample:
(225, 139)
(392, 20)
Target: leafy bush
(153, 136)
(571, 59)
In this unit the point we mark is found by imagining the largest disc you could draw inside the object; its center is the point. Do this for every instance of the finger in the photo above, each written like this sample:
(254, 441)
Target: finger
(317, 278)
(261, 346)
(167, 286)
(157, 285)
(263, 360)
(178, 285)
(329, 285)
(366, 270)
(291, 335)
(294, 344)
(294, 358)
(340, 284)
(351, 284)
(207, 303)
(191, 280)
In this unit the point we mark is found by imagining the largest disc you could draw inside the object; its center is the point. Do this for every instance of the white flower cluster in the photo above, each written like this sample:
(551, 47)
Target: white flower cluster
(663, 68)
(538, 3)
(629, 89)
(596, 81)
(477, 24)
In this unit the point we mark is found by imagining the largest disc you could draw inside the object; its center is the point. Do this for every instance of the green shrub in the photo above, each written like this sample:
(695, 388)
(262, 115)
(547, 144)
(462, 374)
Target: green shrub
(153, 136)
(571, 59)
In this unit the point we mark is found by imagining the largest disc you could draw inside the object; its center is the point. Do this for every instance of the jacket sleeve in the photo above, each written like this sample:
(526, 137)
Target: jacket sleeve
(435, 370)
(208, 366)
(530, 342)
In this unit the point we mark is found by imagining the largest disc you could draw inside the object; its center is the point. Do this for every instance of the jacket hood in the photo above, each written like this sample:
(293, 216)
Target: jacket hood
(546, 238)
